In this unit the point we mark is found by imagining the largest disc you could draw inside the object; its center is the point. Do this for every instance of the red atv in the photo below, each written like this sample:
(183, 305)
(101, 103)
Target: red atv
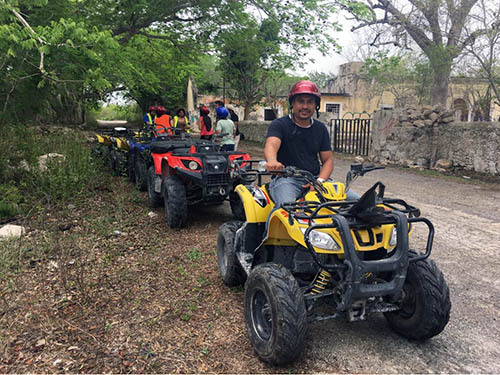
(188, 171)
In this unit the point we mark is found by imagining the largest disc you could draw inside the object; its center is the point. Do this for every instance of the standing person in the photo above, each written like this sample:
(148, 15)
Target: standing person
(163, 121)
(235, 119)
(181, 121)
(298, 140)
(226, 128)
(206, 129)
(218, 103)
(150, 116)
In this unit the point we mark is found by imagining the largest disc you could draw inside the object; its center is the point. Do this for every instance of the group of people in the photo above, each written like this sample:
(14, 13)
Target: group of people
(160, 119)
(226, 123)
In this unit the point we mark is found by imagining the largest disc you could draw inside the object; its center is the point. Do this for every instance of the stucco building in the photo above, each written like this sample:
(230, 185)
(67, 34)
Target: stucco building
(352, 95)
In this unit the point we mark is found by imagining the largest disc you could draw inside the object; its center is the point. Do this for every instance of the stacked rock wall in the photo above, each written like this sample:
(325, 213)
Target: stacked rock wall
(254, 131)
(429, 138)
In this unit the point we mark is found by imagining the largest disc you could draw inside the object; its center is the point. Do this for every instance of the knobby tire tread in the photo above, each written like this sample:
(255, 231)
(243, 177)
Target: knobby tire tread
(434, 314)
(290, 327)
(233, 274)
(175, 202)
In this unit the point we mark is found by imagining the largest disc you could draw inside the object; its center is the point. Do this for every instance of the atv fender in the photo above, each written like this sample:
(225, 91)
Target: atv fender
(166, 170)
(122, 144)
(256, 202)
(281, 232)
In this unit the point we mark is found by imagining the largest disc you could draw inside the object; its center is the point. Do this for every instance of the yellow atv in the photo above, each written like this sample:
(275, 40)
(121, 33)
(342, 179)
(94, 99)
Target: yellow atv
(324, 257)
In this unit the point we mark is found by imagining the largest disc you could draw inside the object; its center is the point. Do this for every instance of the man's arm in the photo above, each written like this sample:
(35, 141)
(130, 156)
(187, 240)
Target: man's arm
(327, 164)
(271, 154)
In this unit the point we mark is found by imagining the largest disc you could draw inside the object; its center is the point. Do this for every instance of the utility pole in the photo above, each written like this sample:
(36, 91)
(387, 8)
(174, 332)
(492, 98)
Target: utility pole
(224, 90)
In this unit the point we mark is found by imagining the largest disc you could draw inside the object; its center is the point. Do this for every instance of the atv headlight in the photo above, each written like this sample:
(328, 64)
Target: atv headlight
(321, 239)
(193, 165)
(394, 237)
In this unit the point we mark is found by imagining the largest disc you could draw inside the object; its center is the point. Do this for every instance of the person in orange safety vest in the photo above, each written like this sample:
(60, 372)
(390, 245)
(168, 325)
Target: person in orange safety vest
(163, 122)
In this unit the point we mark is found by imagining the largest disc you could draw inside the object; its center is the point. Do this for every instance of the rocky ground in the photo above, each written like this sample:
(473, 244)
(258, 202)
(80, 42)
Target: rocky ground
(106, 286)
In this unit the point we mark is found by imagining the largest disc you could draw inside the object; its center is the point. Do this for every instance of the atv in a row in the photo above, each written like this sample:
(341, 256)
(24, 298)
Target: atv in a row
(324, 257)
(176, 169)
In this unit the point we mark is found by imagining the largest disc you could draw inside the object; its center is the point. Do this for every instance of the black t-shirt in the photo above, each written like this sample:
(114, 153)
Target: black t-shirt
(300, 146)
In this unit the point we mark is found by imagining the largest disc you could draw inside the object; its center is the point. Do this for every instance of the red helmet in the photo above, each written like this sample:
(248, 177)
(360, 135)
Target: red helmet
(161, 109)
(204, 110)
(151, 108)
(304, 87)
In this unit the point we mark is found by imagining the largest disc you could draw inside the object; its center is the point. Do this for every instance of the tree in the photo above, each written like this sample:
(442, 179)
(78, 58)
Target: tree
(276, 90)
(60, 56)
(436, 26)
(405, 76)
(320, 78)
(482, 59)
(248, 58)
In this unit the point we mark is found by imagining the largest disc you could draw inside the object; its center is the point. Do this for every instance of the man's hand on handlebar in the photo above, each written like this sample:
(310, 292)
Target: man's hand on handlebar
(274, 165)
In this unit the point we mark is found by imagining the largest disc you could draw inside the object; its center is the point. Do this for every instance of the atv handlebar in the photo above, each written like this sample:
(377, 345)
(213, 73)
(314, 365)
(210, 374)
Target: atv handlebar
(357, 170)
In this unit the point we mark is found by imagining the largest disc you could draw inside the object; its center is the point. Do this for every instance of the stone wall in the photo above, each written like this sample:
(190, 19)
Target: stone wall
(254, 131)
(429, 138)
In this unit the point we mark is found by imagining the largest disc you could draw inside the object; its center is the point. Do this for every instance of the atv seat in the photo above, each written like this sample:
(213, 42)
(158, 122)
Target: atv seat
(163, 147)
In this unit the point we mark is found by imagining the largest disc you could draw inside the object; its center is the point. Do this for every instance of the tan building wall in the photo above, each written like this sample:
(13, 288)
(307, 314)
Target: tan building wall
(356, 95)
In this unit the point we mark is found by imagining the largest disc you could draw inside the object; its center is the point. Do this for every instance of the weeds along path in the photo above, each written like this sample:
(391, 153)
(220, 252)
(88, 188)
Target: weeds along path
(146, 299)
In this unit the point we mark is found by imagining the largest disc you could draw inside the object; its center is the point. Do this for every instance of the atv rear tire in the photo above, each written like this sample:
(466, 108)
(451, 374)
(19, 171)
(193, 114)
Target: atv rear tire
(154, 199)
(237, 207)
(174, 194)
(141, 173)
(229, 268)
(130, 167)
(275, 314)
(118, 162)
(425, 308)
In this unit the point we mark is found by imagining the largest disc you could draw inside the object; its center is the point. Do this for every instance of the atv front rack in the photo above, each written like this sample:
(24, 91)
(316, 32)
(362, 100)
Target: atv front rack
(352, 266)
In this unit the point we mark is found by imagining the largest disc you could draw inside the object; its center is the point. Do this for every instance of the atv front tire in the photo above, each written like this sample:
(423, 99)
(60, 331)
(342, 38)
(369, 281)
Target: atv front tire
(174, 194)
(229, 268)
(140, 173)
(425, 306)
(275, 314)
(154, 199)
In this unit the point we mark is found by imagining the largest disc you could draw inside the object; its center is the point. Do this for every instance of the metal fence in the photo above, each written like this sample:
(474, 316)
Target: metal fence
(351, 136)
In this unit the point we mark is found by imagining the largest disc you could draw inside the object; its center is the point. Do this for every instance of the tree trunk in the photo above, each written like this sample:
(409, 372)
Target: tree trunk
(248, 109)
(439, 91)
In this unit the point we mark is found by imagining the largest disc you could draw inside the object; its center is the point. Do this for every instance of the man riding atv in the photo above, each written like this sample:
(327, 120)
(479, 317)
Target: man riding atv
(307, 250)
(297, 140)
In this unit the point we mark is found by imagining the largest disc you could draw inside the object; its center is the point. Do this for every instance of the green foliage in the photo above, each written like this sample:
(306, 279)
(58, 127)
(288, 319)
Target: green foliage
(128, 112)
(9, 201)
(61, 57)
(24, 186)
(402, 75)
(320, 78)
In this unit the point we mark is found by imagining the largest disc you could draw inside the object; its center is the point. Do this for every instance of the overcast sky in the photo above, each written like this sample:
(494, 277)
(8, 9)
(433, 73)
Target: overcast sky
(330, 64)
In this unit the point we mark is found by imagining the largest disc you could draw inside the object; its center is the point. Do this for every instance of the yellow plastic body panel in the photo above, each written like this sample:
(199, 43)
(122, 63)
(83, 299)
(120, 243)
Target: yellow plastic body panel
(254, 212)
(104, 139)
(280, 232)
(122, 144)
